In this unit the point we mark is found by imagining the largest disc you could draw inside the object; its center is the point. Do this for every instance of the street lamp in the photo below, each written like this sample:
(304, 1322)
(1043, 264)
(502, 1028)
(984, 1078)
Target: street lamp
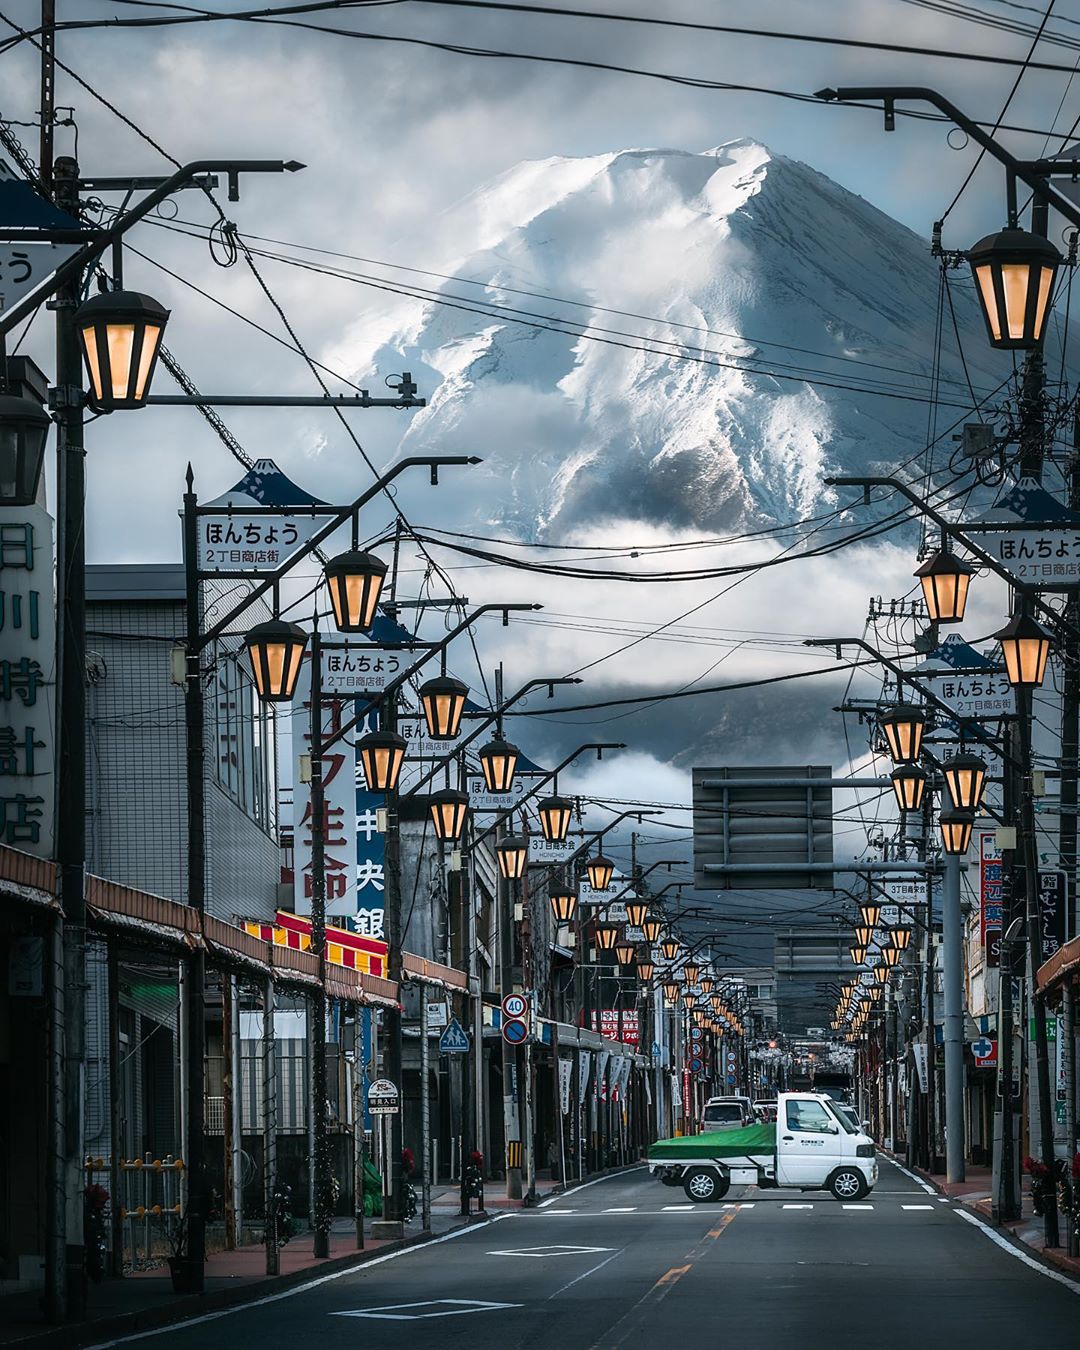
(671, 990)
(448, 811)
(692, 970)
(891, 955)
(120, 333)
(276, 651)
(956, 829)
(1014, 277)
(858, 954)
(606, 935)
(24, 428)
(555, 813)
(909, 783)
(901, 937)
(646, 969)
(599, 870)
(443, 701)
(869, 913)
(637, 911)
(498, 762)
(945, 579)
(1025, 645)
(881, 972)
(669, 948)
(965, 777)
(382, 754)
(903, 726)
(512, 855)
(624, 953)
(563, 903)
(651, 928)
(863, 935)
(354, 580)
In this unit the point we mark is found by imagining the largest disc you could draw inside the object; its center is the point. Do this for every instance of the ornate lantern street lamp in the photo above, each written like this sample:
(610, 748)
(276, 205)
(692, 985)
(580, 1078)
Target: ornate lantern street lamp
(555, 814)
(563, 904)
(903, 726)
(637, 911)
(646, 969)
(24, 428)
(652, 928)
(956, 829)
(1014, 279)
(449, 808)
(945, 579)
(1025, 645)
(965, 778)
(498, 763)
(669, 948)
(909, 783)
(869, 913)
(443, 701)
(512, 855)
(599, 870)
(382, 754)
(276, 652)
(354, 580)
(624, 953)
(120, 333)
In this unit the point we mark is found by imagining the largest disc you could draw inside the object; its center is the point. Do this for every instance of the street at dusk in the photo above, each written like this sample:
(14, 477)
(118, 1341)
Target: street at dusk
(539, 674)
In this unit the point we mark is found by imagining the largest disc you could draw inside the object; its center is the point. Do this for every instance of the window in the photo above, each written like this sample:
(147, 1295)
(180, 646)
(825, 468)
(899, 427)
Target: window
(724, 1113)
(246, 740)
(810, 1118)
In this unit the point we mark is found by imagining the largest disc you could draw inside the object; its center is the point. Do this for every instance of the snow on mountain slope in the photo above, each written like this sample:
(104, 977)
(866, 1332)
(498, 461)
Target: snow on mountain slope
(734, 255)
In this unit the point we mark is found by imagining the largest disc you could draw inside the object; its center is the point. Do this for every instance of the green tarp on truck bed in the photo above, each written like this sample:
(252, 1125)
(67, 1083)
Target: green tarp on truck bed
(751, 1139)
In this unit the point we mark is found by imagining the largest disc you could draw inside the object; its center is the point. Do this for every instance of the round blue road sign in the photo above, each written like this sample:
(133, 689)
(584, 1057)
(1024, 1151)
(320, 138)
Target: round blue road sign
(514, 1030)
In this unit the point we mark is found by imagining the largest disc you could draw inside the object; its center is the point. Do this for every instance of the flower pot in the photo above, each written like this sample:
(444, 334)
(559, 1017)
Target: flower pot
(184, 1275)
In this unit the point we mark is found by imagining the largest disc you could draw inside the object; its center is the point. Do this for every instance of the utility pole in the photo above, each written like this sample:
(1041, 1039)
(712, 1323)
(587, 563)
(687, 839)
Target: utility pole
(67, 399)
(321, 1161)
(393, 1218)
(953, 962)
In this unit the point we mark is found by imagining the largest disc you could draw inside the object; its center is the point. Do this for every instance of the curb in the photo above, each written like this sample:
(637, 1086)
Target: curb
(191, 1305)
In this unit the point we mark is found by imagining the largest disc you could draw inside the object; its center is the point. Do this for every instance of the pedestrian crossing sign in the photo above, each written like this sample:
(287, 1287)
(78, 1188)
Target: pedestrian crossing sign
(454, 1041)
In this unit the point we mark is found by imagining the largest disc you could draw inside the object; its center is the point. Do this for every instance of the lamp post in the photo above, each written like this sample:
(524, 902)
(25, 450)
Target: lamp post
(956, 829)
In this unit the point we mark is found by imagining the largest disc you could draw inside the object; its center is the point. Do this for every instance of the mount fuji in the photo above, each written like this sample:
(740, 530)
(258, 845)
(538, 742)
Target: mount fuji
(752, 328)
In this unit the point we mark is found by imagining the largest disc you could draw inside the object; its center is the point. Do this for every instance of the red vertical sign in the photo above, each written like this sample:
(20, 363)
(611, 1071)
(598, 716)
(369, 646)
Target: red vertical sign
(991, 895)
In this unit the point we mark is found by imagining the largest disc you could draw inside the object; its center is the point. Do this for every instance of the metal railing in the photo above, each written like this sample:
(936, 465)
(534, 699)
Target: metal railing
(151, 1205)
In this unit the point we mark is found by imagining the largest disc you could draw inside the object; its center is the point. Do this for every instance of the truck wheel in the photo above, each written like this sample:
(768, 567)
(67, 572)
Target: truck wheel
(848, 1184)
(703, 1184)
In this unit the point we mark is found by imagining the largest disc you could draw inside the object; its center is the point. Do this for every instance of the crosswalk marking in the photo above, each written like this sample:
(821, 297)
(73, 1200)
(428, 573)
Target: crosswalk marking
(670, 1208)
(798, 1206)
(858, 1206)
(929, 1207)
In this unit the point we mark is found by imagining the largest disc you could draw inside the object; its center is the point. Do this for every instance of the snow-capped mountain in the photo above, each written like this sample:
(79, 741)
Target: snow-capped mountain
(719, 263)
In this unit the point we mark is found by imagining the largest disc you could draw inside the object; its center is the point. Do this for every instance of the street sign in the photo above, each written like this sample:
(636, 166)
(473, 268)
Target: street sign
(514, 1031)
(383, 1098)
(985, 1052)
(27, 264)
(25, 267)
(480, 799)
(1051, 1029)
(515, 1005)
(543, 850)
(454, 1040)
(438, 1015)
(232, 539)
(1032, 535)
(360, 670)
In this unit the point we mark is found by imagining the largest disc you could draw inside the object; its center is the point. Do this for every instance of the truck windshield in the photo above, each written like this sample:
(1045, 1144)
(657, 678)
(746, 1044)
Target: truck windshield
(846, 1122)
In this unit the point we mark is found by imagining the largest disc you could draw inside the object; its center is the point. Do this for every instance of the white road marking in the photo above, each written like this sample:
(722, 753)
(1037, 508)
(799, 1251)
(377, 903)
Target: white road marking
(943, 1199)
(1006, 1246)
(398, 1312)
(929, 1207)
(743, 1205)
(798, 1206)
(595, 1181)
(672, 1209)
(540, 1252)
(912, 1177)
(296, 1289)
(622, 1209)
(858, 1206)
(586, 1273)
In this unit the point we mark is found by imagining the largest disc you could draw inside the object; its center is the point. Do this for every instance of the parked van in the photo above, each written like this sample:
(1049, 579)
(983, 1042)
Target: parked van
(726, 1113)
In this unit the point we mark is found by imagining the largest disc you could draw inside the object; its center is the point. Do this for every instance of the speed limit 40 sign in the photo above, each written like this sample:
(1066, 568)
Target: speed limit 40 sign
(515, 1005)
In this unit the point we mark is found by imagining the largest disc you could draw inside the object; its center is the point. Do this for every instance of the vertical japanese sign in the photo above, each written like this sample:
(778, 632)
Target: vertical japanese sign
(369, 918)
(1052, 900)
(27, 679)
(991, 895)
(340, 806)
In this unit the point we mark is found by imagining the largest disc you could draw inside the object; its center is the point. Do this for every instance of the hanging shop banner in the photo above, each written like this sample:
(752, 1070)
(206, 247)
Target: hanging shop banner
(370, 914)
(1053, 897)
(231, 539)
(27, 679)
(566, 1073)
(991, 894)
(609, 1024)
(602, 1058)
(1032, 536)
(584, 1061)
(921, 1064)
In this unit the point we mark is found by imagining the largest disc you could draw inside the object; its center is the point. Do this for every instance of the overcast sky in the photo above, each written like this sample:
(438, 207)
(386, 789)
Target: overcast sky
(394, 134)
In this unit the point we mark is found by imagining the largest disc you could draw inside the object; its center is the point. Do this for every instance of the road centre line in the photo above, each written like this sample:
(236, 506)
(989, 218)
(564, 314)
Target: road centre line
(297, 1288)
(798, 1206)
(1007, 1246)
(929, 1207)
(858, 1206)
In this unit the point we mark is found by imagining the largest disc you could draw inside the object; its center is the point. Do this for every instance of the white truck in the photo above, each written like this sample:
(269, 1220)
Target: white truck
(813, 1146)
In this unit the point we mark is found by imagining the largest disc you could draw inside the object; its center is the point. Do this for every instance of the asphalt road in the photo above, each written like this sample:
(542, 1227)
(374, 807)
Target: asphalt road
(627, 1262)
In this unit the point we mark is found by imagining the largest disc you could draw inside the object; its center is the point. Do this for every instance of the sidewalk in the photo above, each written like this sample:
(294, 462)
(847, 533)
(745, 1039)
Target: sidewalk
(145, 1299)
(975, 1191)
